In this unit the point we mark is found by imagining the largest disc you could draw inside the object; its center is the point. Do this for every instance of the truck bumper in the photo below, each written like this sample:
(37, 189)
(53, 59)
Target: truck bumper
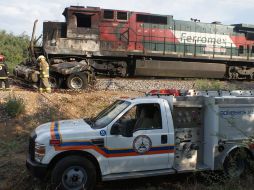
(36, 169)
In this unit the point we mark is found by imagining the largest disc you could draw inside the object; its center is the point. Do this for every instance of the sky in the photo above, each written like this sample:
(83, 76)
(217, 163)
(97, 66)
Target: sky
(17, 16)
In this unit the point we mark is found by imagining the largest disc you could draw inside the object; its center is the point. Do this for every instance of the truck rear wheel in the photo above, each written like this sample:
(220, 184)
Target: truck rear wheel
(55, 82)
(236, 164)
(74, 173)
(77, 81)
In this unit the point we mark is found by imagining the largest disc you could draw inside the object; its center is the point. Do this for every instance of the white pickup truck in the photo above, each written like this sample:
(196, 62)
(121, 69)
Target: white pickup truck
(157, 134)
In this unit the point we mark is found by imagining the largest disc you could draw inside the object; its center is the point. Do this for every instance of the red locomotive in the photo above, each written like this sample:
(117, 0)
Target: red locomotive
(141, 44)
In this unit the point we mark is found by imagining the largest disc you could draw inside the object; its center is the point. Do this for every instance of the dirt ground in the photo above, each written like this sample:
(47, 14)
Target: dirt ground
(14, 133)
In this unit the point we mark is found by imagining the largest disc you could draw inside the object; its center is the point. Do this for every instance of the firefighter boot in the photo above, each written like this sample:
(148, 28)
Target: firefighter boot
(48, 90)
(7, 84)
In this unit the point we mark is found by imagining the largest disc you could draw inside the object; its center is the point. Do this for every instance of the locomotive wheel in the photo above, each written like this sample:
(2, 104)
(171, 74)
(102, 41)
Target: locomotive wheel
(251, 76)
(77, 81)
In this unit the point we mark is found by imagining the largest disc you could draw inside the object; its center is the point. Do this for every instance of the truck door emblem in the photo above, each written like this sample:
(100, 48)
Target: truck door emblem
(103, 133)
(142, 144)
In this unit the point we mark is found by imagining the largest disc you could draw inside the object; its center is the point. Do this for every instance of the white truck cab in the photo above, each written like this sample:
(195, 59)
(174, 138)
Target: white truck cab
(157, 134)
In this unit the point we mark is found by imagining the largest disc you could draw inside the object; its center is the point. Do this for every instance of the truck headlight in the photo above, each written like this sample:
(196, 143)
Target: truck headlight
(40, 150)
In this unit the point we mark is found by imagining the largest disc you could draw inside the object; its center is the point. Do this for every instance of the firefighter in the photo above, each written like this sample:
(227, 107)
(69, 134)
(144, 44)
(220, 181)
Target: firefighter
(44, 74)
(3, 73)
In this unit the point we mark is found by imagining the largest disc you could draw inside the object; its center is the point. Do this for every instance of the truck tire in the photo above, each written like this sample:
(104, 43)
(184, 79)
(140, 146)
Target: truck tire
(236, 164)
(34, 77)
(55, 82)
(77, 81)
(73, 173)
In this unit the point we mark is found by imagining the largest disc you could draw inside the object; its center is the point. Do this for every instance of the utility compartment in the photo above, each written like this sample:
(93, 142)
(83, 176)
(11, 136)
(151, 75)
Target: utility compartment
(189, 126)
(228, 124)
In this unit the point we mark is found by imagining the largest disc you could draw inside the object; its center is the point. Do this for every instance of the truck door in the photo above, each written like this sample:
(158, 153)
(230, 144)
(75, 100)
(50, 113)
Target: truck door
(149, 145)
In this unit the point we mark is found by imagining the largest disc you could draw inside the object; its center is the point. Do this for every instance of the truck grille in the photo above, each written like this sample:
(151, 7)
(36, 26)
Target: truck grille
(32, 146)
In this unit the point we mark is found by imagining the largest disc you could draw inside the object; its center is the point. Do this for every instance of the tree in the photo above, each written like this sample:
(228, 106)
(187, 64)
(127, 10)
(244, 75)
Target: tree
(14, 48)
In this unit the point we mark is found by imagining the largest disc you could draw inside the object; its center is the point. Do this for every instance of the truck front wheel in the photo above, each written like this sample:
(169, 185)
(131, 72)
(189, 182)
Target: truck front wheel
(236, 163)
(77, 81)
(74, 173)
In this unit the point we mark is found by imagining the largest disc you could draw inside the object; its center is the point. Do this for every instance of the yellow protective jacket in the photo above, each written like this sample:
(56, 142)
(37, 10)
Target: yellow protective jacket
(3, 71)
(44, 69)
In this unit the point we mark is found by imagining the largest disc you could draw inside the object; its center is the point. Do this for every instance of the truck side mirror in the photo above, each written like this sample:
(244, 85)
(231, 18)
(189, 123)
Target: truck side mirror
(115, 129)
(120, 129)
(126, 131)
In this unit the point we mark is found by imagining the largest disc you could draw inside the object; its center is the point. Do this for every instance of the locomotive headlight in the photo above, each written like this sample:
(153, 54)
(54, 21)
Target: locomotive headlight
(40, 150)
(53, 42)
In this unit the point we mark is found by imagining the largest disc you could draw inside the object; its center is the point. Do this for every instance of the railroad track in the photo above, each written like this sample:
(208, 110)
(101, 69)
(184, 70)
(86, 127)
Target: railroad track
(141, 85)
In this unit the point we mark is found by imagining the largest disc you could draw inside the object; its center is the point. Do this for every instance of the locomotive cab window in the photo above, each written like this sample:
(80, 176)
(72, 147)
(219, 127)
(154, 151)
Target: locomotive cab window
(152, 19)
(108, 14)
(123, 16)
(250, 36)
(84, 20)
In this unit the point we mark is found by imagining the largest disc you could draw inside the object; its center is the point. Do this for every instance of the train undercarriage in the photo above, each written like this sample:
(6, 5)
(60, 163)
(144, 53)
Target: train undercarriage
(77, 73)
(173, 67)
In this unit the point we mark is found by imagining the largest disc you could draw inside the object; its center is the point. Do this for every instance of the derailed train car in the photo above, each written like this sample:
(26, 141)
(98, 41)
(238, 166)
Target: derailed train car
(141, 44)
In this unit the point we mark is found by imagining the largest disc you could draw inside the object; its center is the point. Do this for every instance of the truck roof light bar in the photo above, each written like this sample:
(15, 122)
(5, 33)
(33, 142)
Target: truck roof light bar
(251, 146)
(164, 92)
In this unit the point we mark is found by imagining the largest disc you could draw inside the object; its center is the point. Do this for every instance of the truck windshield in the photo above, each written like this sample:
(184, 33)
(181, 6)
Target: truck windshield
(106, 116)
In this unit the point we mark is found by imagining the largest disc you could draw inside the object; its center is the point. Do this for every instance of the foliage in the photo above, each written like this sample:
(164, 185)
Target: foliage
(14, 106)
(205, 84)
(208, 85)
(8, 147)
(14, 48)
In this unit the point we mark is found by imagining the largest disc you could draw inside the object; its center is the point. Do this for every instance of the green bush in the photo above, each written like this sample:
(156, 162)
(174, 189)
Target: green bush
(14, 106)
(209, 85)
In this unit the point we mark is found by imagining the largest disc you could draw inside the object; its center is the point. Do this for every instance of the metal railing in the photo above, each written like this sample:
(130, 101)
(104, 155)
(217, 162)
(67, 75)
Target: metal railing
(127, 38)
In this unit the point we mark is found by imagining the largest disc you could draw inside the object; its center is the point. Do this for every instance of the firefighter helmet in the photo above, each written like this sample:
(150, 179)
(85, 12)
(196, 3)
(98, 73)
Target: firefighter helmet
(1, 58)
(40, 58)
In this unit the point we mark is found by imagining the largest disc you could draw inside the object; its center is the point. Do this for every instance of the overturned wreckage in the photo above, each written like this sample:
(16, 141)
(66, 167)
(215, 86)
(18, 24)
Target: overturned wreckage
(71, 71)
